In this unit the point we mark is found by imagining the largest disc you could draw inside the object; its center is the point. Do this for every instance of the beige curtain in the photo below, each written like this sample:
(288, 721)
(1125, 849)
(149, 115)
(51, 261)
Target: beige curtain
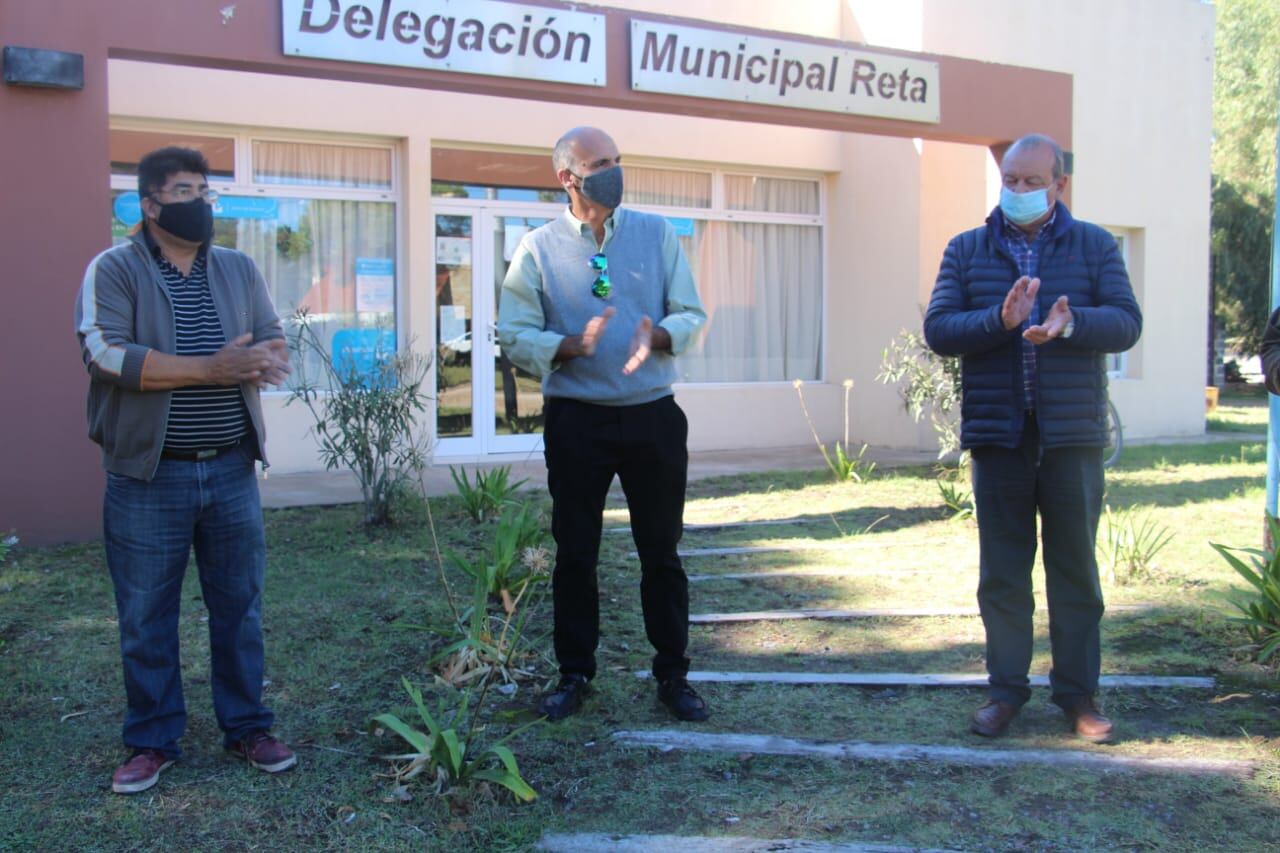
(776, 195)
(643, 185)
(761, 286)
(321, 165)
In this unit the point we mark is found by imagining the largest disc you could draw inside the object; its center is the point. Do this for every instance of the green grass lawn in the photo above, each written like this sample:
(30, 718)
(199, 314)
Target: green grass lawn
(338, 599)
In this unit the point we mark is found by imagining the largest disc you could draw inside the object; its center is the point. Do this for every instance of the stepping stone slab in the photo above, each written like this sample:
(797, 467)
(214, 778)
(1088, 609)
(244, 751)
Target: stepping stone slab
(731, 525)
(800, 546)
(599, 842)
(900, 752)
(935, 679)
(912, 612)
(832, 572)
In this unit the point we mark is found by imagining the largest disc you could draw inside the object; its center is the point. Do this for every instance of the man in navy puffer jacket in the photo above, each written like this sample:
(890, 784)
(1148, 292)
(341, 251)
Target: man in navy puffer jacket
(1031, 302)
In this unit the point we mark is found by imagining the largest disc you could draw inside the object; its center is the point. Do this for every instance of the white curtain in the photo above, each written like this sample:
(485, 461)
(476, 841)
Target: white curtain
(643, 185)
(321, 165)
(777, 195)
(761, 285)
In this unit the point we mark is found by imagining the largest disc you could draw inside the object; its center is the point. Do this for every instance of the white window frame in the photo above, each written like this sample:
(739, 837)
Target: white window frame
(1118, 363)
(716, 212)
(242, 184)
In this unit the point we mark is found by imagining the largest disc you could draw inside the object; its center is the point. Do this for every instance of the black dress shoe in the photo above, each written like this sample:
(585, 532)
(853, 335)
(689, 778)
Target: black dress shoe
(566, 699)
(683, 701)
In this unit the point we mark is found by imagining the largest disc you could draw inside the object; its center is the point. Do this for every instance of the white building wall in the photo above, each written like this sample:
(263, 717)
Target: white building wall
(1142, 72)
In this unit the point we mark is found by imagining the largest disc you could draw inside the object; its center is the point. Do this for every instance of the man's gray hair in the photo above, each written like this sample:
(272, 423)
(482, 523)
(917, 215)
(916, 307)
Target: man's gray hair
(1037, 140)
(562, 156)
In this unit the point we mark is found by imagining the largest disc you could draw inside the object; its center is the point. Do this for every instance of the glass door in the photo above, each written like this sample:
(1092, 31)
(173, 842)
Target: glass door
(484, 403)
(455, 314)
(517, 394)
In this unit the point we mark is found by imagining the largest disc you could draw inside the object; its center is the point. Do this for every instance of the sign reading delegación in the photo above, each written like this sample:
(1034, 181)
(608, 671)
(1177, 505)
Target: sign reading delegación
(733, 67)
(470, 36)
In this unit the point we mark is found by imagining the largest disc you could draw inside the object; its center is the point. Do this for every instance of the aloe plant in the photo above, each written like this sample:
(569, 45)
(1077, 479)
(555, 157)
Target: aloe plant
(1260, 609)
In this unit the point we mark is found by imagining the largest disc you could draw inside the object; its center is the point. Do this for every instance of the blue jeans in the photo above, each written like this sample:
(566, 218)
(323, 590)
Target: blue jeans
(149, 531)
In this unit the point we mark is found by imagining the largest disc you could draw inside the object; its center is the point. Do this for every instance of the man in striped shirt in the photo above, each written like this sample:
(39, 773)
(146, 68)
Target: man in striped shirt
(178, 337)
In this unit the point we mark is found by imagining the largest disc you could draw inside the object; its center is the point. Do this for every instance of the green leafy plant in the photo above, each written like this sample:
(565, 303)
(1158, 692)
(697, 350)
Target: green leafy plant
(366, 416)
(450, 757)
(844, 467)
(928, 383)
(957, 498)
(1131, 541)
(7, 544)
(488, 494)
(1261, 608)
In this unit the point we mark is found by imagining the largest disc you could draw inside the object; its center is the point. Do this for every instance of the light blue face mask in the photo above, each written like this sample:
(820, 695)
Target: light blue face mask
(1023, 208)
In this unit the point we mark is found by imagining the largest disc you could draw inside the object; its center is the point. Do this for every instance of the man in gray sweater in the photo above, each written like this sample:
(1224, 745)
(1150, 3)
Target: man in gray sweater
(578, 308)
(177, 335)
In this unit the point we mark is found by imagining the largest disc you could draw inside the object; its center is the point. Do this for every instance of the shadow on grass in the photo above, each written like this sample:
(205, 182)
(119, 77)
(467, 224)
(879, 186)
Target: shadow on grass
(1179, 493)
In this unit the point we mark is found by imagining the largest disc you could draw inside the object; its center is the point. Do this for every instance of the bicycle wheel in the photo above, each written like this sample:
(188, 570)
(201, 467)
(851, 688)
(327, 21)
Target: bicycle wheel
(1115, 437)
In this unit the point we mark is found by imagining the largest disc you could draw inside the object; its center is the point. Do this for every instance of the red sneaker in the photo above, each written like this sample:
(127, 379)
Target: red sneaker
(140, 772)
(265, 752)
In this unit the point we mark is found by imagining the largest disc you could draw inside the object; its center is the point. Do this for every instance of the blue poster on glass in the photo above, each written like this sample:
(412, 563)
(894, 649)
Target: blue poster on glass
(246, 207)
(359, 353)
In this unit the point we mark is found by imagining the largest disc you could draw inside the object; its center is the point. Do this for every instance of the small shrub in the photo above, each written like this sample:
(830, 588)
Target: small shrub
(957, 499)
(927, 382)
(845, 467)
(446, 755)
(7, 544)
(488, 494)
(1260, 607)
(366, 416)
(1130, 544)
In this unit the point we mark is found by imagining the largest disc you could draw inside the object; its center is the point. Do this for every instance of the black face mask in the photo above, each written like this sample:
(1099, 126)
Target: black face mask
(189, 220)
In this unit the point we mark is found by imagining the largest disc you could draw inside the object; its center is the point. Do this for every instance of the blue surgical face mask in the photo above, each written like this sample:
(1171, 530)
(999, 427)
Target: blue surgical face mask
(1023, 208)
(604, 187)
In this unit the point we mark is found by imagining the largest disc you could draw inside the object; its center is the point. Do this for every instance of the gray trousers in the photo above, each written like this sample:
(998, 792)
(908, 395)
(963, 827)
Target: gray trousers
(1065, 485)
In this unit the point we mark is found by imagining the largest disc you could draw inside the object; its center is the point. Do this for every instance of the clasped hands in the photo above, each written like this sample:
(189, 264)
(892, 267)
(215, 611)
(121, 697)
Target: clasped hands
(1017, 308)
(264, 363)
(584, 345)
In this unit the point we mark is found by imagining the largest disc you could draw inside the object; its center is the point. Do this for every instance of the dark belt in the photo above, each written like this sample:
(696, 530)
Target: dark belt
(199, 455)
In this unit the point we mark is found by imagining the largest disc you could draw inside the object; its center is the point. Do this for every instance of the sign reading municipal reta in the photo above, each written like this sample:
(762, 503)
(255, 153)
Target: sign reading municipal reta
(733, 67)
(469, 36)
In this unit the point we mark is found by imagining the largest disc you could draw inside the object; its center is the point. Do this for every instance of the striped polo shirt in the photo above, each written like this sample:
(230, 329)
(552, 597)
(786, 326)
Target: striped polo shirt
(201, 417)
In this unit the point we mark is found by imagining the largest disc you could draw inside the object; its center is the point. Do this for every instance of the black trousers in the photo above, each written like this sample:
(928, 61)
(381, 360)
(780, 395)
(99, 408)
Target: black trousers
(645, 446)
(1065, 485)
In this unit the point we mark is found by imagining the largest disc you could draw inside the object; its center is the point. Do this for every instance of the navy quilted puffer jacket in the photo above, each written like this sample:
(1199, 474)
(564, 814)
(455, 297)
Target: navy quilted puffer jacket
(1081, 261)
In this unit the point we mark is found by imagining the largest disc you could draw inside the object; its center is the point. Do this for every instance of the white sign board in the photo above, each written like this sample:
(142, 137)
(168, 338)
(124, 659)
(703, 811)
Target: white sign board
(734, 67)
(375, 285)
(468, 36)
(453, 251)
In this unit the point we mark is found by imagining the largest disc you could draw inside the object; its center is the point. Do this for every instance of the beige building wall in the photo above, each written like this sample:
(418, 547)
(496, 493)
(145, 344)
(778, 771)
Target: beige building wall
(892, 203)
(1142, 73)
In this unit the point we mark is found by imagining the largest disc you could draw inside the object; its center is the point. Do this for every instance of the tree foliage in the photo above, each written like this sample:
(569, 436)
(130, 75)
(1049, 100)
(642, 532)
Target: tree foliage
(1246, 99)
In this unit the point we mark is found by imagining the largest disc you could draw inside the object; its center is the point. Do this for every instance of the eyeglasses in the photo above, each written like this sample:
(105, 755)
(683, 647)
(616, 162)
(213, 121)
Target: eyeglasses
(186, 192)
(601, 287)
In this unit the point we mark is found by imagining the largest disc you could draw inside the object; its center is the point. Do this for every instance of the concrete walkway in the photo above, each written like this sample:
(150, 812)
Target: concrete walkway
(323, 488)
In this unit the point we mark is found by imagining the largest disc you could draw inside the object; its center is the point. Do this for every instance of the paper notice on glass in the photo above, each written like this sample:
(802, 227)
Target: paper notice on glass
(453, 251)
(453, 326)
(375, 285)
(514, 232)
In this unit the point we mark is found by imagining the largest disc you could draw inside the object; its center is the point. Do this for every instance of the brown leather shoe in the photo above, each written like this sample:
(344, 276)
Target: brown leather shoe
(992, 718)
(140, 772)
(1087, 720)
(264, 752)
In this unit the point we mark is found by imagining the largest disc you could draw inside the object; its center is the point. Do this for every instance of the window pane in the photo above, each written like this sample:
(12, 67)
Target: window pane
(776, 195)
(128, 147)
(643, 185)
(336, 259)
(761, 286)
(321, 165)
